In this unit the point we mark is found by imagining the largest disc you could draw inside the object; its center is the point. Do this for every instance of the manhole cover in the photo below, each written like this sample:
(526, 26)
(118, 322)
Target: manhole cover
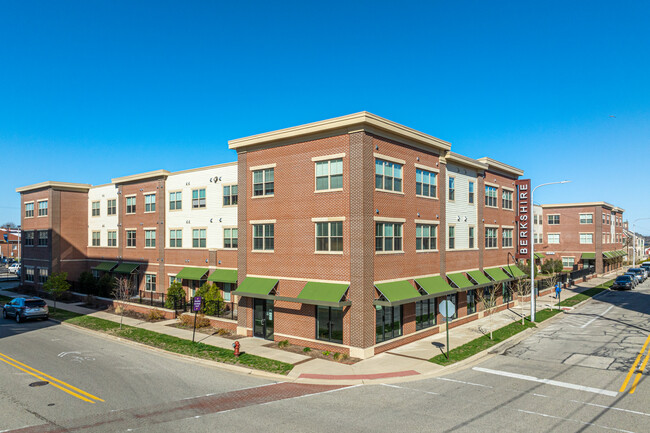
(39, 383)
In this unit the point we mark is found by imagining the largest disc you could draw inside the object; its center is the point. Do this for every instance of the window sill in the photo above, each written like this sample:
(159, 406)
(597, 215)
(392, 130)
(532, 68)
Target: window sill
(229, 205)
(263, 251)
(426, 251)
(333, 253)
(461, 249)
(426, 197)
(175, 210)
(389, 191)
(150, 211)
(380, 253)
(492, 207)
(262, 196)
(505, 208)
(41, 216)
(507, 248)
(129, 213)
(491, 248)
(131, 248)
(199, 208)
(228, 249)
(149, 248)
(318, 191)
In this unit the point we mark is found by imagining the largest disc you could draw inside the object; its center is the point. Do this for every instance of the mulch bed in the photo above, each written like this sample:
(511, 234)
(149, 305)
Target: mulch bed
(313, 353)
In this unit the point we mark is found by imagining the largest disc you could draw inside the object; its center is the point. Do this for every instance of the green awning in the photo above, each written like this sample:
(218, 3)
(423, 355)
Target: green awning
(607, 254)
(397, 290)
(435, 285)
(623, 253)
(540, 255)
(514, 271)
(323, 293)
(497, 274)
(192, 273)
(126, 268)
(588, 256)
(460, 281)
(479, 277)
(223, 276)
(105, 266)
(256, 287)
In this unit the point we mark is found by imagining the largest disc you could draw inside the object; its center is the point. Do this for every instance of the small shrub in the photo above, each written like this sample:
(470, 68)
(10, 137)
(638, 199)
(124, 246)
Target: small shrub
(212, 300)
(306, 349)
(154, 315)
(175, 294)
(188, 320)
(283, 343)
(104, 286)
(326, 352)
(337, 356)
(222, 331)
(346, 356)
(87, 282)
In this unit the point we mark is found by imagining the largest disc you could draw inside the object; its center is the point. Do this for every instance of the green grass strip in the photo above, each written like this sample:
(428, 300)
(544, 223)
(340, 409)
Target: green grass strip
(483, 343)
(179, 345)
(589, 293)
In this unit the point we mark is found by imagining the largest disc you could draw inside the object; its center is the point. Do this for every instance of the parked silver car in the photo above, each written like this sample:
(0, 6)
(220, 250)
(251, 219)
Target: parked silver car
(22, 309)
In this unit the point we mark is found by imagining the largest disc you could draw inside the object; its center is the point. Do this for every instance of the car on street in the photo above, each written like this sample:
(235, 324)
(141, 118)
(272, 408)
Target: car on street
(14, 268)
(22, 309)
(623, 282)
(636, 279)
(640, 272)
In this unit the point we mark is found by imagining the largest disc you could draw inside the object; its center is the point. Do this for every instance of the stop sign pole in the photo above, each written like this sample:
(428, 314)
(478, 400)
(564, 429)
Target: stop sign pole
(449, 310)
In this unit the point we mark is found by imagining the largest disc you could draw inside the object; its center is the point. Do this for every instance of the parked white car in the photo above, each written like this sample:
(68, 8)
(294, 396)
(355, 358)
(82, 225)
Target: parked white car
(14, 268)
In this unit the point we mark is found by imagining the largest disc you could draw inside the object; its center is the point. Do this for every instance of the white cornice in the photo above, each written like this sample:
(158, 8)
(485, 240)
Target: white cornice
(141, 176)
(63, 186)
(500, 166)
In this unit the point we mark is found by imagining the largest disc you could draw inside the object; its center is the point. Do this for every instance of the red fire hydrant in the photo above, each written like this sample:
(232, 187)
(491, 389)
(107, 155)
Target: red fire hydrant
(236, 346)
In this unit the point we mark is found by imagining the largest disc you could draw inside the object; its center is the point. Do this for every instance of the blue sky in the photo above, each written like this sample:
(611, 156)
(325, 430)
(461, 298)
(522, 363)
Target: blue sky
(95, 90)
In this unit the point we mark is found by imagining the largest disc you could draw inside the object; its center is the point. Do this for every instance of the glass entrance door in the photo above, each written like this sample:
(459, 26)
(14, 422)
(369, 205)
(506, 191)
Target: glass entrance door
(263, 319)
(329, 324)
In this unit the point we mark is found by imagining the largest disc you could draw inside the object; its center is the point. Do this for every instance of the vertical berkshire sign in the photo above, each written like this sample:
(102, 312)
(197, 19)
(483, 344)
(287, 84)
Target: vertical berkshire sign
(524, 210)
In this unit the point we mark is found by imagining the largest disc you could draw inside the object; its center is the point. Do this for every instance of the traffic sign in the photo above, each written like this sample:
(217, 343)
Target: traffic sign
(447, 308)
(197, 304)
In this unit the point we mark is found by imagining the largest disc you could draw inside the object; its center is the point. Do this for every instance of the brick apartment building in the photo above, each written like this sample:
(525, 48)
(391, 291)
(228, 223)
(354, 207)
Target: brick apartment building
(351, 230)
(11, 247)
(583, 235)
(154, 228)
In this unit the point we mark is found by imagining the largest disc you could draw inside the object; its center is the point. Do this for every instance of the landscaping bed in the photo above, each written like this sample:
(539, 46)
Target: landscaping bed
(314, 353)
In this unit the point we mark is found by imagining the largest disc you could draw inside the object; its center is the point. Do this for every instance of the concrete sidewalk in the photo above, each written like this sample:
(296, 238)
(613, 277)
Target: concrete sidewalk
(404, 361)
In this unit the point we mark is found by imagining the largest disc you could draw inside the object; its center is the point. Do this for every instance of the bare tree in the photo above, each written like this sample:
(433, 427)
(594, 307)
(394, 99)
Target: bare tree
(521, 288)
(488, 299)
(122, 294)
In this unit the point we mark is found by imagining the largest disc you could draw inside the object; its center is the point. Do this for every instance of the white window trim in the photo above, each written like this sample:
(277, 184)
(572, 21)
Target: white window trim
(126, 206)
(455, 237)
(496, 197)
(328, 157)
(512, 238)
(329, 175)
(230, 205)
(389, 159)
(262, 221)
(427, 168)
(328, 220)
(145, 281)
(92, 232)
(491, 226)
(494, 185)
(418, 221)
(126, 237)
(447, 189)
(553, 214)
(168, 201)
(145, 194)
(192, 238)
(224, 237)
(150, 229)
(198, 188)
(33, 211)
(36, 208)
(389, 220)
(434, 223)
(169, 238)
(588, 213)
(262, 167)
(586, 233)
(117, 243)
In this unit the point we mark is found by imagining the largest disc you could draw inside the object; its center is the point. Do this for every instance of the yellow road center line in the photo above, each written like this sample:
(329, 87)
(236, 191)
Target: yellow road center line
(638, 375)
(51, 383)
(631, 372)
(51, 378)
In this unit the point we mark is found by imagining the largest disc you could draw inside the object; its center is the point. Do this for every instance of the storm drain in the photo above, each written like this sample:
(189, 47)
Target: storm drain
(39, 383)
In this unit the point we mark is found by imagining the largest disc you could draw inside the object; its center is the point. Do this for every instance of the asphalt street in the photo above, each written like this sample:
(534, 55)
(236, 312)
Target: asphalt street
(569, 376)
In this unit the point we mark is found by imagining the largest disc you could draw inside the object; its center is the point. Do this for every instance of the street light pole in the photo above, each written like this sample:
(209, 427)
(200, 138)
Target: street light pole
(533, 306)
(634, 240)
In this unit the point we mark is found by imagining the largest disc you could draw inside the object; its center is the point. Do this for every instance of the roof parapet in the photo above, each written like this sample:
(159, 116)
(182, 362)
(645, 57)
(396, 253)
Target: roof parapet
(142, 176)
(500, 166)
(465, 160)
(62, 186)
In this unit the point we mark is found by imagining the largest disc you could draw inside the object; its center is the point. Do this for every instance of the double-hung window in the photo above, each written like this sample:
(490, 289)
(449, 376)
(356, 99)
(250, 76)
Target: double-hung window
(198, 198)
(42, 208)
(451, 237)
(568, 262)
(130, 238)
(471, 193)
(96, 240)
(150, 282)
(43, 273)
(425, 183)
(29, 274)
(230, 238)
(388, 236)
(175, 200)
(425, 237)
(586, 238)
(29, 239)
(490, 196)
(149, 238)
(586, 218)
(175, 238)
(112, 238)
(329, 236)
(329, 174)
(111, 206)
(29, 210)
(388, 176)
(553, 238)
(471, 236)
(130, 205)
(42, 238)
(506, 199)
(263, 237)
(452, 189)
(150, 203)
(553, 219)
(506, 238)
(230, 195)
(199, 238)
(491, 237)
(263, 182)
(94, 209)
